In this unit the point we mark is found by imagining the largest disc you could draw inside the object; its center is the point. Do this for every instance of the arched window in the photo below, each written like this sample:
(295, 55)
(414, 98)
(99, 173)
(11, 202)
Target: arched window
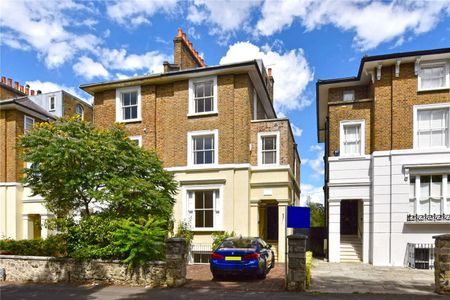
(80, 111)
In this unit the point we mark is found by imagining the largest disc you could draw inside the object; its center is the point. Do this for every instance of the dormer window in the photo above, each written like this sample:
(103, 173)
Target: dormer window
(51, 103)
(433, 76)
(349, 95)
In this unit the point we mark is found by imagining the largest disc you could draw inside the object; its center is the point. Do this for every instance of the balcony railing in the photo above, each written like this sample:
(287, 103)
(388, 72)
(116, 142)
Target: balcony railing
(428, 218)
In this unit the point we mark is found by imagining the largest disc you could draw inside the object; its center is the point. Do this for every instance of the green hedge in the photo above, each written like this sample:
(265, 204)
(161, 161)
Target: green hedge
(51, 246)
(309, 256)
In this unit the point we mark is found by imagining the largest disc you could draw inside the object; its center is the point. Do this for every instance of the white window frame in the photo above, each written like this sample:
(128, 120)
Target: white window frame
(444, 206)
(25, 130)
(277, 155)
(416, 108)
(352, 92)
(361, 123)
(119, 111)
(189, 206)
(192, 82)
(136, 138)
(190, 145)
(82, 110)
(50, 100)
(424, 65)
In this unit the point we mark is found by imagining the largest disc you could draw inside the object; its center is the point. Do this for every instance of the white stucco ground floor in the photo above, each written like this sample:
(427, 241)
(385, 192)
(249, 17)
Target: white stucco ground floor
(22, 216)
(244, 199)
(247, 200)
(380, 205)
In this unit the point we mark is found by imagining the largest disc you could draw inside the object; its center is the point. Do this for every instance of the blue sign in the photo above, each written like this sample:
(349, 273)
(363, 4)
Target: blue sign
(298, 217)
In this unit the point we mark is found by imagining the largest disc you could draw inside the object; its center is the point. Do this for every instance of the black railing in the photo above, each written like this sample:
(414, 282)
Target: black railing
(428, 218)
(419, 256)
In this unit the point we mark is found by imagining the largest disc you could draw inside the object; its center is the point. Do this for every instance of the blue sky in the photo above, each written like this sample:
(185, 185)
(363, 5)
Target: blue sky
(62, 44)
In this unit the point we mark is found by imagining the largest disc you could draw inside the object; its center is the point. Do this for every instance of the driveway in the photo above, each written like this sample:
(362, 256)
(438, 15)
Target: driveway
(364, 278)
(199, 276)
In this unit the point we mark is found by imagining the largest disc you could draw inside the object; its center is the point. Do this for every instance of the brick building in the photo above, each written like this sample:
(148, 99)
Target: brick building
(21, 215)
(215, 128)
(387, 157)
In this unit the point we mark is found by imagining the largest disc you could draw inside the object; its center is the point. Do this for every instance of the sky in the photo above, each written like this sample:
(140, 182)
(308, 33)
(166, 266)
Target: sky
(60, 44)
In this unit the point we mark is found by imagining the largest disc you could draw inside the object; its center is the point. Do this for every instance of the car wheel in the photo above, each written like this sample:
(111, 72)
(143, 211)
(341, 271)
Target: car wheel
(262, 272)
(216, 276)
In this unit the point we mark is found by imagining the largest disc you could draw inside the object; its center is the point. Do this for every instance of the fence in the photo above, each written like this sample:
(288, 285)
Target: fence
(199, 253)
(419, 256)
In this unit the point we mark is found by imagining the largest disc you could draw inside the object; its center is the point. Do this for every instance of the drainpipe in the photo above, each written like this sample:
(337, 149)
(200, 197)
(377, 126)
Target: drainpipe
(390, 173)
(325, 188)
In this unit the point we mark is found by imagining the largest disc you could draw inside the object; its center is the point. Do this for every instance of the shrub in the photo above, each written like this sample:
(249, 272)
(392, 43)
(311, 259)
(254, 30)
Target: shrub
(309, 256)
(141, 242)
(184, 231)
(52, 246)
(219, 237)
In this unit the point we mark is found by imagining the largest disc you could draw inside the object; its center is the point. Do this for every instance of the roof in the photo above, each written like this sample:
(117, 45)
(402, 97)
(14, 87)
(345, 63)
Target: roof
(367, 62)
(28, 106)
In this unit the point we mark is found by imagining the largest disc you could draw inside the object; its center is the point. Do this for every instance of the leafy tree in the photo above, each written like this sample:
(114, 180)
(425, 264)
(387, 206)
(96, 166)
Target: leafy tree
(219, 237)
(317, 211)
(76, 167)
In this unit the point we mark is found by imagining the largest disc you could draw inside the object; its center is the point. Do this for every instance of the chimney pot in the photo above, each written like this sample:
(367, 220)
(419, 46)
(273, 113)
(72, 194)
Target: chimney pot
(16, 85)
(180, 32)
(38, 92)
(27, 89)
(21, 88)
(4, 79)
(269, 71)
(10, 82)
(32, 92)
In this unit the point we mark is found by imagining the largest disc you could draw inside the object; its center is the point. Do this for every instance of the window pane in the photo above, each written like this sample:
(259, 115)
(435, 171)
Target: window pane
(209, 218)
(209, 157)
(208, 89)
(437, 138)
(126, 99)
(269, 143)
(133, 98)
(208, 199)
(198, 158)
(425, 206)
(349, 96)
(412, 207)
(435, 206)
(200, 105)
(127, 113)
(134, 112)
(424, 187)
(199, 218)
(198, 144)
(208, 104)
(209, 142)
(198, 200)
(412, 187)
(424, 139)
(269, 157)
(436, 186)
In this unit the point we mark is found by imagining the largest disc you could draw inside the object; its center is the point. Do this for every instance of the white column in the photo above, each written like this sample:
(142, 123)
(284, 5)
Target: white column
(366, 230)
(254, 218)
(282, 209)
(25, 225)
(417, 192)
(444, 194)
(44, 230)
(334, 230)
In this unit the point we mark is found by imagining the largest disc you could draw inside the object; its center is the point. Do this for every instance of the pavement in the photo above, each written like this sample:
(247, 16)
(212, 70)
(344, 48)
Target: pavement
(330, 281)
(364, 278)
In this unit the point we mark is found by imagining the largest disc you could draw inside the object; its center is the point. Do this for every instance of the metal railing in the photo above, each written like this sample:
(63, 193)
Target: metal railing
(428, 218)
(419, 255)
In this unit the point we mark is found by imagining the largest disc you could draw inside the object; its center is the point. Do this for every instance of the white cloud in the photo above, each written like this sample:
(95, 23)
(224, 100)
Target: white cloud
(118, 59)
(373, 22)
(315, 148)
(89, 69)
(224, 17)
(311, 193)
(296, 130)
(137, 12)
(315, 163)
(43, 26)
(48, 86)
(290, 70)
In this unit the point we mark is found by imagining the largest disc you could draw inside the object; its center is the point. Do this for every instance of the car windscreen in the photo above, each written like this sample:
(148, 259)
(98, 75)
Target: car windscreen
(238, 243)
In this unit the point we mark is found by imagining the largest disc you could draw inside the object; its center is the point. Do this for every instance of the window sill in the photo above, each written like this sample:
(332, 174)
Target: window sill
(433, 89)
(427, 223)
(205, 114)
(129, 121)
(206, 229)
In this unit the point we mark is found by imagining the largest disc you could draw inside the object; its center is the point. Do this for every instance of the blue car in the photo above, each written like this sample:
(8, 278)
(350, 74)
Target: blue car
(242, 255)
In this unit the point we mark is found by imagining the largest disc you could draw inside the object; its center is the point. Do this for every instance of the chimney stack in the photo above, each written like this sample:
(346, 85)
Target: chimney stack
(270, 83)
(3, 79)
(27, 89)
(185, 56)
(10, 82)
(21, 89)
(32, 92)
(16, 85)
(269, 72)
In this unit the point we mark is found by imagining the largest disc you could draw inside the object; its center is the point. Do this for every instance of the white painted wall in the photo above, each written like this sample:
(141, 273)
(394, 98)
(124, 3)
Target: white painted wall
(43, 101)
(380, 180)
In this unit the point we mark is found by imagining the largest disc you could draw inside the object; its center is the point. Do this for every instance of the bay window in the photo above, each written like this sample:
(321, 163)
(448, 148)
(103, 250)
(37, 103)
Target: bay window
(429, 194)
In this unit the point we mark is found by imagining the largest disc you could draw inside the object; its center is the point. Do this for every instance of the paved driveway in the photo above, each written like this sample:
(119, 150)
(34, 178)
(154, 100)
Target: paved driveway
(364, 278)
(199, 276)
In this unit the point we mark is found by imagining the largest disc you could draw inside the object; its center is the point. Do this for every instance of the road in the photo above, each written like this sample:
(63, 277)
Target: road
(88, 292)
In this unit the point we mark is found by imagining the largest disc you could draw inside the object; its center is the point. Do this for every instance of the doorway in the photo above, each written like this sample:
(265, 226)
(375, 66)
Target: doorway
(349, 217)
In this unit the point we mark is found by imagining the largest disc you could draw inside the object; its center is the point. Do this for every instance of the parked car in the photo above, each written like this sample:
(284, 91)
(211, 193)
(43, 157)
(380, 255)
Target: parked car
(242, 255)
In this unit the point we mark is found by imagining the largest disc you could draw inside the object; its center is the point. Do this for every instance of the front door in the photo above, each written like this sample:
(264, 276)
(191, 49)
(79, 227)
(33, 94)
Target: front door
(349, 217)
(272, 223)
